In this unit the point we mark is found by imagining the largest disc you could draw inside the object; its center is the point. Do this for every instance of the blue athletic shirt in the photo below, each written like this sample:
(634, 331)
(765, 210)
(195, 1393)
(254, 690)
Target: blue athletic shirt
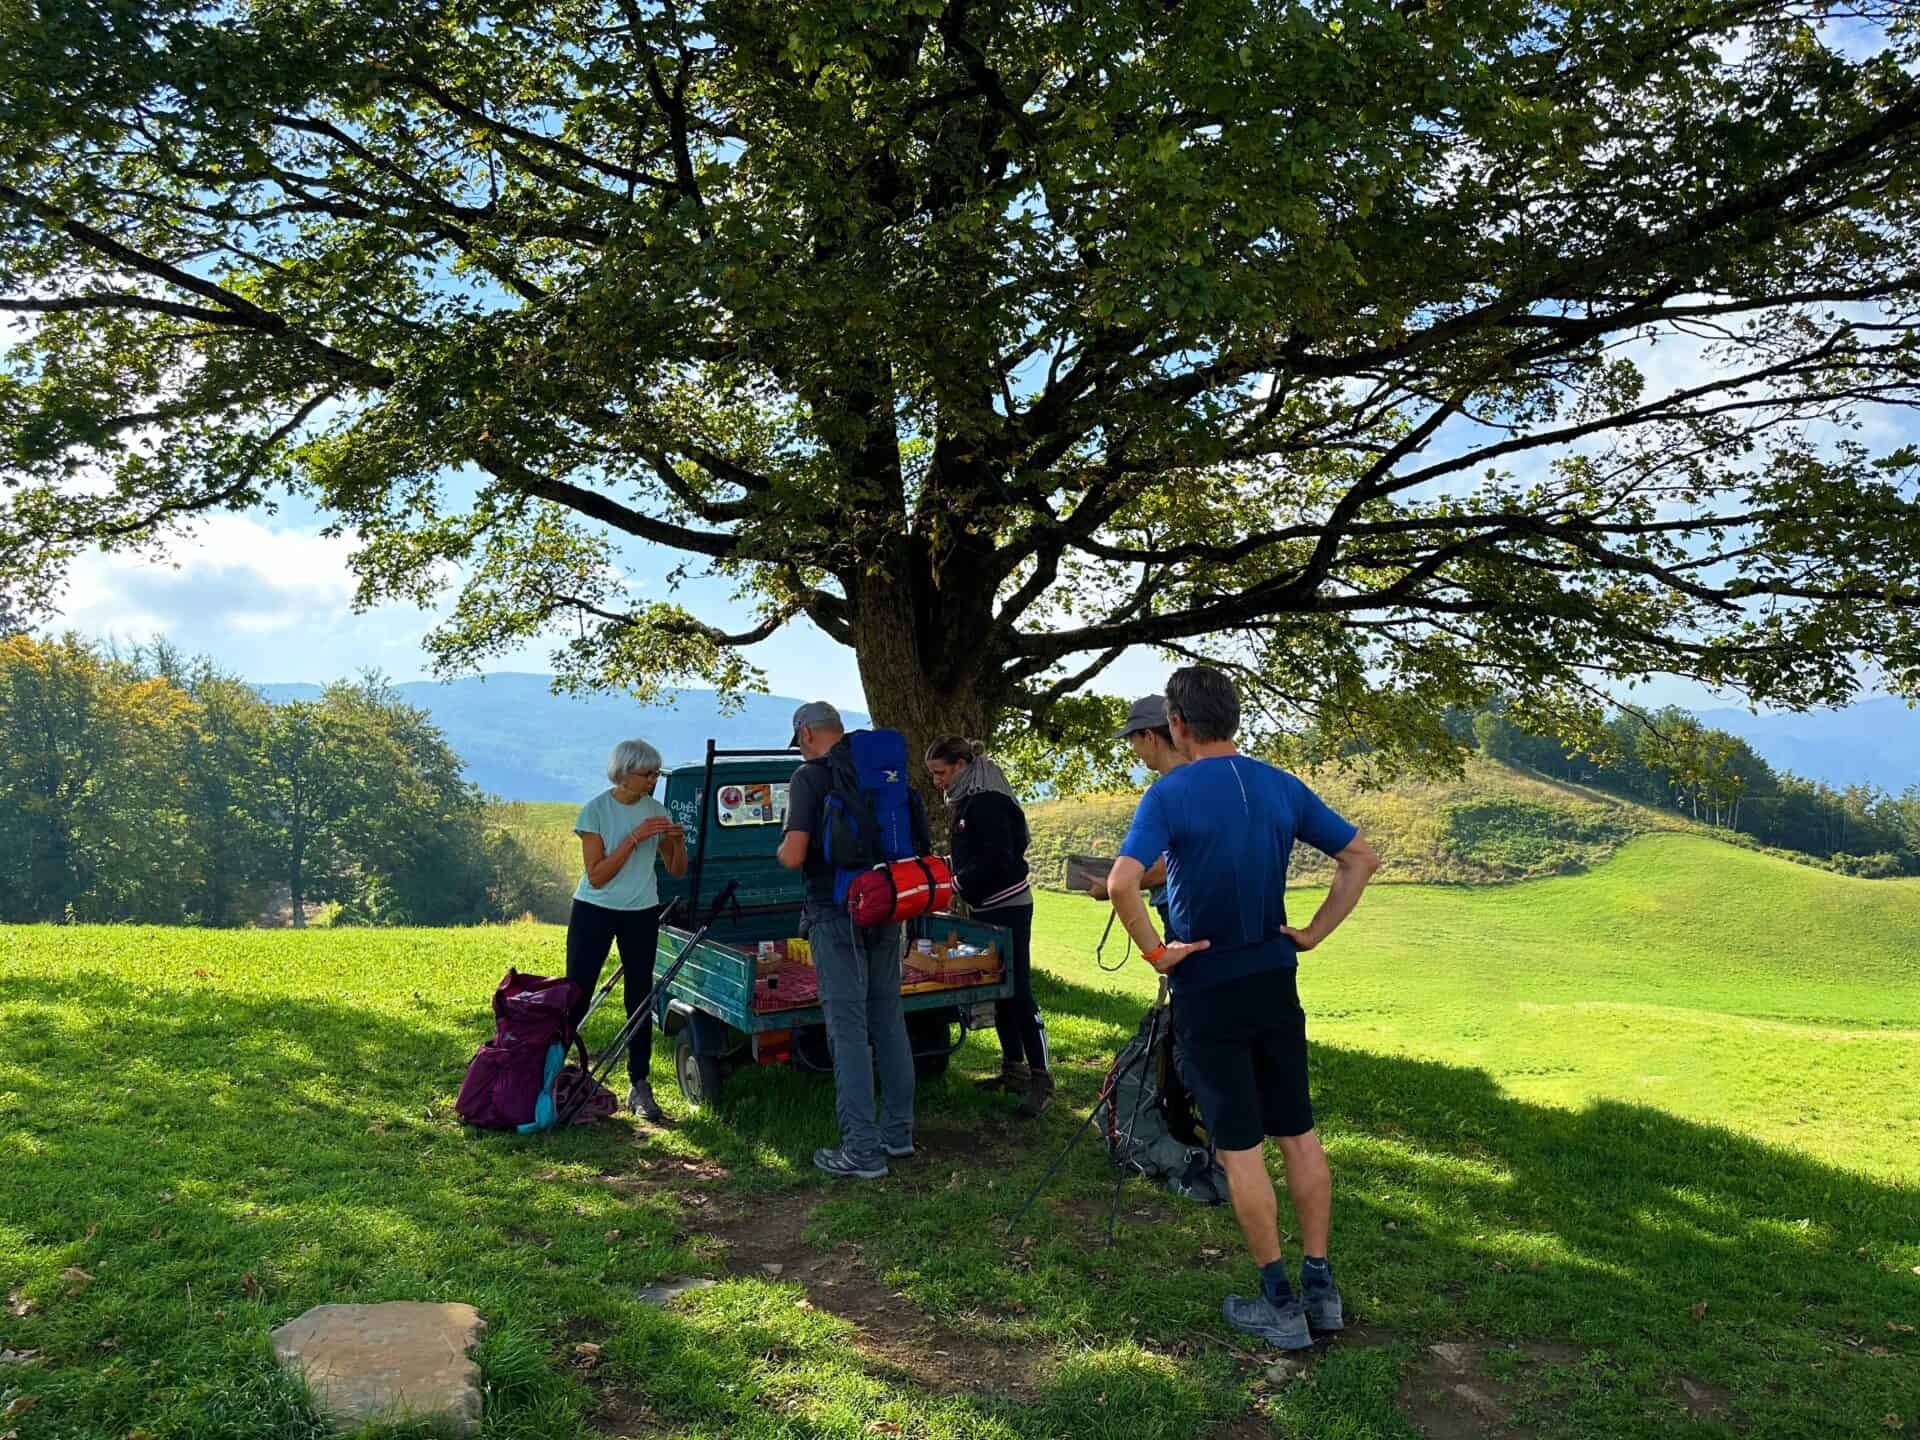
(1227, 827)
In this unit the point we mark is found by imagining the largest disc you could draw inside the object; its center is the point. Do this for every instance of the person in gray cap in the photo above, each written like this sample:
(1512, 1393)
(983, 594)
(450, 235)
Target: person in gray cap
(858, 970)
(1147, 735)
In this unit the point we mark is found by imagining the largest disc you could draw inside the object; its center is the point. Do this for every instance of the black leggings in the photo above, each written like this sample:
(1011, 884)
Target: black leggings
(1017, 1018)
(591, 932)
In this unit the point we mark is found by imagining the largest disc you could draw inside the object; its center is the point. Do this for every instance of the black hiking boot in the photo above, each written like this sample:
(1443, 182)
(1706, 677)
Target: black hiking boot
(1038, 1097)
(1014, 1078)
(641, 1102)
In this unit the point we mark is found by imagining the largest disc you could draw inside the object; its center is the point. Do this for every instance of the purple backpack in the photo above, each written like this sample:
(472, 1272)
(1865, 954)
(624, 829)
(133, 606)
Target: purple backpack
(516, 1081)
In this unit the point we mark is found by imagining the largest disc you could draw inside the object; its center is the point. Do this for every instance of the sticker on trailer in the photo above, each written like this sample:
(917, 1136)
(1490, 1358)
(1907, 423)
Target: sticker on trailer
(752, 805)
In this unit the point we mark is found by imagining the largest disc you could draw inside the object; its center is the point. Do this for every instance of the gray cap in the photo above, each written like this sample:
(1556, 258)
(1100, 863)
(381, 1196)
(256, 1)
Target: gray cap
(1149, 712)
(819, 715)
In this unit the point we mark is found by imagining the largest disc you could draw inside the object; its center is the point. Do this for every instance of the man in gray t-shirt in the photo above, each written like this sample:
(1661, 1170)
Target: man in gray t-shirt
(806, 803)
(858, 970)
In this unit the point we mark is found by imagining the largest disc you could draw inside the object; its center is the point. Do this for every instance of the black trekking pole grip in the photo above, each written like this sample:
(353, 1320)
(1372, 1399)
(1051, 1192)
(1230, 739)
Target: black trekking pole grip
(720, 900)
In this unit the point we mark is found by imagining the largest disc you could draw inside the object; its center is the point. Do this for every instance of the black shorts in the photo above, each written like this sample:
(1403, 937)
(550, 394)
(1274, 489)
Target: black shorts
(1243, 1045)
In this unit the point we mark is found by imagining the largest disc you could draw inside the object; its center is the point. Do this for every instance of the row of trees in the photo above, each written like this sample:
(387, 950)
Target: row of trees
(149, 787)
(1670, 759)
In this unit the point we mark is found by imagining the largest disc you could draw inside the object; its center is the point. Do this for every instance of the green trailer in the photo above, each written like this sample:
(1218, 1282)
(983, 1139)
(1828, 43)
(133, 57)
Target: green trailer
(724, 1009)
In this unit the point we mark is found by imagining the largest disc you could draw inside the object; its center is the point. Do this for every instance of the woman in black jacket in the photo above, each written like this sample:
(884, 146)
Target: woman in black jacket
(990, 872)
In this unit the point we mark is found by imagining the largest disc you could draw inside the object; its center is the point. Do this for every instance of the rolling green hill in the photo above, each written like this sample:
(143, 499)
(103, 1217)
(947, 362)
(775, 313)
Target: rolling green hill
(1491, 824)
(1730, 987)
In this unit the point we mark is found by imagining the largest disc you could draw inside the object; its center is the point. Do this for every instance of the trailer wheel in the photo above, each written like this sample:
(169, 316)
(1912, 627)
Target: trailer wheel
(932, 1040)
(700, 1076)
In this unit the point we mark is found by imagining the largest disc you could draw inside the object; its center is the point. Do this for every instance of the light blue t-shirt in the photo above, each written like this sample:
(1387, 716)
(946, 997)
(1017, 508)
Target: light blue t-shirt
(635, 885)
(1227, 827)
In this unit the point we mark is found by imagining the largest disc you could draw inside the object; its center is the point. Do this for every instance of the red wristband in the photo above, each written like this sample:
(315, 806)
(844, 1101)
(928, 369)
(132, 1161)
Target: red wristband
(1153, 955)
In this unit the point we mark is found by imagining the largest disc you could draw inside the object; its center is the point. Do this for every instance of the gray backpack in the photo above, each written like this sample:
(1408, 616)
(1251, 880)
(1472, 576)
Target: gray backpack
(1151, 1126)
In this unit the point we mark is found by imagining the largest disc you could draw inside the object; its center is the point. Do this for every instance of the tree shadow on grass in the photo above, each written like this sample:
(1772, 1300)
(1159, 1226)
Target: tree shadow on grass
(187, 1167)
(1663, 1247)
(243, 1159)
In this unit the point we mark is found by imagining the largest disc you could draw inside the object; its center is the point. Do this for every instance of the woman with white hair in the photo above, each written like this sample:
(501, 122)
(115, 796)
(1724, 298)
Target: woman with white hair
(623, 833)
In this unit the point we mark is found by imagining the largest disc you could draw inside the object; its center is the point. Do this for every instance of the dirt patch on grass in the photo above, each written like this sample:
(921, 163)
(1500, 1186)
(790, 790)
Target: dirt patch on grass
(765, 1242)
(623, 1415)
(1703, 1401)
(1450, 1393)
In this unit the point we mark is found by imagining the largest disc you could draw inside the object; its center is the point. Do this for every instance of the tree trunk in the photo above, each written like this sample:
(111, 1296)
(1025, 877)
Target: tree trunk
(295, 889)
(922, 679)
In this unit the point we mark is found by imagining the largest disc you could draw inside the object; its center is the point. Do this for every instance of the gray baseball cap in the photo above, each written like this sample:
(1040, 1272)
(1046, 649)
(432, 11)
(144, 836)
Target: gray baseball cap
(815, 713)
(1149, 712)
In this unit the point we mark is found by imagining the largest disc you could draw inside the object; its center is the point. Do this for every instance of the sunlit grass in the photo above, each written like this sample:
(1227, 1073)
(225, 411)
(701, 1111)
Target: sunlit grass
(1572, 1110)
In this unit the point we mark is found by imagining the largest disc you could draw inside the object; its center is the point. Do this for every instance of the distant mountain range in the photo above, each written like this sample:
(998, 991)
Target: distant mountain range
(1876, 742)
(523, 742)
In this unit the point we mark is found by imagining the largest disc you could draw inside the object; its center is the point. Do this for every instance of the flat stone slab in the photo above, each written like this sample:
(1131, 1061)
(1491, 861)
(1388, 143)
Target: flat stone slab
(406, 1359)
(668, 1290)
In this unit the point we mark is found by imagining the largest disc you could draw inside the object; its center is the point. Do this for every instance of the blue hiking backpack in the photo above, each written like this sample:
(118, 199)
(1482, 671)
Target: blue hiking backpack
(872, 813)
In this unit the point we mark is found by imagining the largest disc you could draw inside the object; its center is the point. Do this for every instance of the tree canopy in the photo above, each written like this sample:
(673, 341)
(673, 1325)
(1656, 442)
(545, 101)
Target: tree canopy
(1313, 338)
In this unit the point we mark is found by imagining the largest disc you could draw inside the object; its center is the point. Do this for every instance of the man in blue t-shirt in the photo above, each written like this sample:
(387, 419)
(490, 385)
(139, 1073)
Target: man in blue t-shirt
(1227, 825)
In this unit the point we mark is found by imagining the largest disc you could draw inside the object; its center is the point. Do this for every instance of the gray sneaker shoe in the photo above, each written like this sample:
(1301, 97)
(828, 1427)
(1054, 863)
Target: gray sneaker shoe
(1282, 1325)
(641, 1102)
(1322, 1304)
(900, 1152)
(843, 1166)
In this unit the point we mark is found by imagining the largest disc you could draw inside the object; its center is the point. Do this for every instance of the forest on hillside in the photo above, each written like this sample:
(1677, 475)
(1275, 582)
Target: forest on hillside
(146, 786)
(1670, 759)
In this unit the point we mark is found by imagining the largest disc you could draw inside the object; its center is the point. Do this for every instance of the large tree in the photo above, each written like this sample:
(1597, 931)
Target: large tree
(996, 339)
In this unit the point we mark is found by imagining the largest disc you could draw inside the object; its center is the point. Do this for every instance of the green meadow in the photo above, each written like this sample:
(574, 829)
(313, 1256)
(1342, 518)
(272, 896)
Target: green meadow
(1627, 1152)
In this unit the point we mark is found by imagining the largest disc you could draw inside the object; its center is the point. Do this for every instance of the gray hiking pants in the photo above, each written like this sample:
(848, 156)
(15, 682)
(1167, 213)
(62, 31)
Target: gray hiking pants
(859, 975)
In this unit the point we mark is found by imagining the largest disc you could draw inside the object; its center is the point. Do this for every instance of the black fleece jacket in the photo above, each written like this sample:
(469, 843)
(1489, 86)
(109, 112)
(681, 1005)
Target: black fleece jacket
(989, 847)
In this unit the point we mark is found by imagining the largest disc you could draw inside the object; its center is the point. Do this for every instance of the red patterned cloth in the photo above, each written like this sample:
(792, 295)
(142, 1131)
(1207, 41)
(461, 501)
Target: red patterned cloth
(798, 988)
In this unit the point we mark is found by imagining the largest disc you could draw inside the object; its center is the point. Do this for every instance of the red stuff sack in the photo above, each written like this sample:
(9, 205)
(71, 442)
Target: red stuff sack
(900, 890)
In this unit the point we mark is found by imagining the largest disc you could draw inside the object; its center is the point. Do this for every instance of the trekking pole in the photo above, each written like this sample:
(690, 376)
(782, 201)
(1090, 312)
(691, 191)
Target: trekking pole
(612, 980)
(643, 1012)
(1139, 1097)
(1067, 1150)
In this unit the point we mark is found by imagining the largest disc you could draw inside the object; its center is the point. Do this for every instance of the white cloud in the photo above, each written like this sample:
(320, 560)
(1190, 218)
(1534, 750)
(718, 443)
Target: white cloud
(270, 602)
(234, 568)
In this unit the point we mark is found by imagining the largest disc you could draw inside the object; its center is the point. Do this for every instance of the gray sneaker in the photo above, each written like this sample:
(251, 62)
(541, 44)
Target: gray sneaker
(1282, 1325)
(843, 1166)
(900, 1152)
(1322, 1304)
(641, 1102)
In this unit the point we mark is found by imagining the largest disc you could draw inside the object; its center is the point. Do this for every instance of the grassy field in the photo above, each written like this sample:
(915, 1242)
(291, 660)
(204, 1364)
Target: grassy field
(544, 829)
(1627, 1153)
